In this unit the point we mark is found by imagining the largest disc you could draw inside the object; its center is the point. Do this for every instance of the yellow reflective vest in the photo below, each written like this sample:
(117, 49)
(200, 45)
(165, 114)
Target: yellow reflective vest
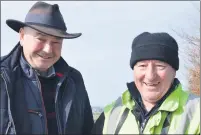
(180, 108)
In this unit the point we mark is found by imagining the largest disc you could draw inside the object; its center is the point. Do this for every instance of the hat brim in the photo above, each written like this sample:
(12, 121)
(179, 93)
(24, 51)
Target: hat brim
(16, 25)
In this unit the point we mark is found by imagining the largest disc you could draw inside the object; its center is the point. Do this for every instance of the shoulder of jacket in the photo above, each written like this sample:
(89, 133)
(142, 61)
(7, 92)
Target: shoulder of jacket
(113, 105)
(3, 61)
(193, 100)
(76, 78)
(192, 105)
(109, 107)
(3, 57)
(74, 73)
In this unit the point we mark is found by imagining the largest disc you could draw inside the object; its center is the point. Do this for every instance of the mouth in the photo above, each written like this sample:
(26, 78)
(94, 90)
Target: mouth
(44, 57)
(151, 84)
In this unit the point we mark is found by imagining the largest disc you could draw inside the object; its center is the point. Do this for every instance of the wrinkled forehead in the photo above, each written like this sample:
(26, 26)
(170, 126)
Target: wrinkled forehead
(35, 32)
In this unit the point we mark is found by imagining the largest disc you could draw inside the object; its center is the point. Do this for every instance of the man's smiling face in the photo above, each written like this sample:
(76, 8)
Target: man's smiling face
(153, 78)
(40, 50)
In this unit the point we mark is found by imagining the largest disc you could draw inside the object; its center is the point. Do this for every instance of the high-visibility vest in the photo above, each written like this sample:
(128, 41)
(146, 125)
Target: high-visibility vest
(181, 109)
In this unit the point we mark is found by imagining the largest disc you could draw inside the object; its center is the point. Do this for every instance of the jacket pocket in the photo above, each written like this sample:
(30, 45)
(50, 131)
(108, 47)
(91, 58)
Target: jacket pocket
(36, 118)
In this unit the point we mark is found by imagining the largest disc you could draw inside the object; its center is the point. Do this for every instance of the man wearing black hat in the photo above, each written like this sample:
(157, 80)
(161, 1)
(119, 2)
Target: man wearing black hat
(40, 93)
(155, 102)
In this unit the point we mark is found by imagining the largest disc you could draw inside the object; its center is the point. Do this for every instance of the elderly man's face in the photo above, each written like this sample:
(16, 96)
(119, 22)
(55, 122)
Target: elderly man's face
(40, 50)
(153, 78)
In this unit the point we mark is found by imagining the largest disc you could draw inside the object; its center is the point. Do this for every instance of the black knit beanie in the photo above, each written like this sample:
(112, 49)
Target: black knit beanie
(155, 46)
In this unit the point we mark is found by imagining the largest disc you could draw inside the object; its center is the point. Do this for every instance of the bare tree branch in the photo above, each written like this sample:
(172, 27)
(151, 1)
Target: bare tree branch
(192, 51)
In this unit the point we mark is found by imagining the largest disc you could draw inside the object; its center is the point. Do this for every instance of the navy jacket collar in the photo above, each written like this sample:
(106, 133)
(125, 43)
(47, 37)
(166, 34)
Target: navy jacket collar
(28, 70)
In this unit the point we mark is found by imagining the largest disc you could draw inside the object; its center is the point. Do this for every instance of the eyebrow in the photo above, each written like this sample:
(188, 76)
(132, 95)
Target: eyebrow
(40, 34)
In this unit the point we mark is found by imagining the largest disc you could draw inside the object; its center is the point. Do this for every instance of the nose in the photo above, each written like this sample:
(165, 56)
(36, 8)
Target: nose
(47, 48)
(150, 73)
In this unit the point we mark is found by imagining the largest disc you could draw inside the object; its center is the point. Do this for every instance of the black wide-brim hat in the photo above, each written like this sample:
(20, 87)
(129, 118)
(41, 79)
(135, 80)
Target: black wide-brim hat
(45, 18)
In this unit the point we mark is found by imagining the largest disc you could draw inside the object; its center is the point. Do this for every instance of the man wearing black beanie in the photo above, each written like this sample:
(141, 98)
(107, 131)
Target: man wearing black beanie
(158, 46)
(155, 102)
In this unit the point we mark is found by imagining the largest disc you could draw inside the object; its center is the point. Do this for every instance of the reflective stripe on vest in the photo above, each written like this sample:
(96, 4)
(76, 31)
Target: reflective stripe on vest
(114, 116)
(188, 113)
(185, 119)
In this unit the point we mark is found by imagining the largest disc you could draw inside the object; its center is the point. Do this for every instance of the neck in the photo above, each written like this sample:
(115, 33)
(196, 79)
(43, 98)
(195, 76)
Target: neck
(46, 73)
(148, 106)
(42, 72)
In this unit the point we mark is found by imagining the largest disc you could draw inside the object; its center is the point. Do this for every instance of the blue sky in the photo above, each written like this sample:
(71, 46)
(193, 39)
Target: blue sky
(102, 53)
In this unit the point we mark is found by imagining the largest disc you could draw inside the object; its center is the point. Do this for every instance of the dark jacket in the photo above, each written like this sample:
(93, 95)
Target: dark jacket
(19, 93)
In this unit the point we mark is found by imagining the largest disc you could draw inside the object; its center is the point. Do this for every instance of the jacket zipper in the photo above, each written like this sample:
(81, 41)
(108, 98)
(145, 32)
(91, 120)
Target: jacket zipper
(56, 106)
(10, 115)
(35, 112)
(46, 129)
(140, 132)
(146, 120)
(144, 125)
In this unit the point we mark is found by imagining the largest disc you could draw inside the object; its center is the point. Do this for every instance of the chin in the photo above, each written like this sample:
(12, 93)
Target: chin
(152, 96)
(152, 99)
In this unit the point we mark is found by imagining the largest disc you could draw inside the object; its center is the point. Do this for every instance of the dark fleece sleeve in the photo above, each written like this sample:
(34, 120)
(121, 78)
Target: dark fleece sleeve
(98, 126)
(88, 117)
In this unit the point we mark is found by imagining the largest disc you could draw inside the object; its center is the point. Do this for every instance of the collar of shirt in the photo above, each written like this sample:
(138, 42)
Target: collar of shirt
(47, 74)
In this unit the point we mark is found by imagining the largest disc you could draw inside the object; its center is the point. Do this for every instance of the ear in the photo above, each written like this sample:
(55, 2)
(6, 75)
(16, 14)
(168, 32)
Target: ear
(21, 34)
(175, 73)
